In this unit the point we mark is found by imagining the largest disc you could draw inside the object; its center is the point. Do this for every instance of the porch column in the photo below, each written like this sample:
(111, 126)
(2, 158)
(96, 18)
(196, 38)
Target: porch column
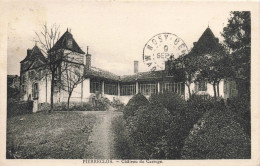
(158, 87)
(103, 88)
(118, 89)
(136, 87)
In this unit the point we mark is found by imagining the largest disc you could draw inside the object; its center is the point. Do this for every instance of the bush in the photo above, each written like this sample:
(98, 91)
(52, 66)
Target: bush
(172, 101)
(62, 106)
(240, 106)
(217, 136)
(102, 104)
(117, 104)
(44, 107)
(133, 104)
(123, 147)
(198, 105)
(19, 108)
(149, 136)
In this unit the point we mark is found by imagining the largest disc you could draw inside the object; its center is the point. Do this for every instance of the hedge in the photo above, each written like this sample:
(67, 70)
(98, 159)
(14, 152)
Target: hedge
(133, 104)
(19, 108)
(217, 136)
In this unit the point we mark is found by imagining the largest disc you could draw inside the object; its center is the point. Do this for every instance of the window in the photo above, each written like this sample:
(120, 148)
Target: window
(35, 91)
(24, 78)
(111, 89)
(69, 43)
(129, 89)
(202, 86)
(23, 88)
(94, 86)
(148, 89)
(174, 87)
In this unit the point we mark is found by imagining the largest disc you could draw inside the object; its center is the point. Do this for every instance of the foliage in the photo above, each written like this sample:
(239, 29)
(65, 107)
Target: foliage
(200, 103)
(62, 106)
(133, 104)
(150, 133)
(237, 33)
(185, 67)
(215, 67)
(117, 104)
(240, 107)
(123, 147)
(171, 101)
(15, 108)
(102, 104)
(13, 93)
(237, 38)
(216, 136)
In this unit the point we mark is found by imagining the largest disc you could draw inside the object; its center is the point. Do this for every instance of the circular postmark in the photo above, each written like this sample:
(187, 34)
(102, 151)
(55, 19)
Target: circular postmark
(160, 48)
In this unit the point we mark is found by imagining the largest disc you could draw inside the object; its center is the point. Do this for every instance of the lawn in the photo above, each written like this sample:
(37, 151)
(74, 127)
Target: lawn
(59, 135)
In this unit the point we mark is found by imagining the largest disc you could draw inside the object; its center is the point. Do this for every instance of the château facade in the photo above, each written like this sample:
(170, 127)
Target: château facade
(35, 82)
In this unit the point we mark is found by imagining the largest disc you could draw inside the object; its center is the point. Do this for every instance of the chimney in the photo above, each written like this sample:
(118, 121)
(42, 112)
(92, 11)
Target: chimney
(29, 51)
(135, 66)
(88, 60)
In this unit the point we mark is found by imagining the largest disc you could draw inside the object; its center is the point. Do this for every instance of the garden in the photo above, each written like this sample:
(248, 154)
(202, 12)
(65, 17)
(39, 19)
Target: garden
(168, 127)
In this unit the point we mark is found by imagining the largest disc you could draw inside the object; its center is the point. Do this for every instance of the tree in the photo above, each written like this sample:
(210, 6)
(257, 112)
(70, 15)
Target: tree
(237, 38)
(72, 75)
(186, 67)
(47, 38)
(215, 67)
(65, 66)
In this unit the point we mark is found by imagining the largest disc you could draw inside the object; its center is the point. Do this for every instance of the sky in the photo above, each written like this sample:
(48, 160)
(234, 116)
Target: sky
(116, 32)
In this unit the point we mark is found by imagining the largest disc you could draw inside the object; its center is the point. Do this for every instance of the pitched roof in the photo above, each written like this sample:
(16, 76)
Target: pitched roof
(143, 76)
(33, 54)
(62, 43)
(206, 43)
(97, 72)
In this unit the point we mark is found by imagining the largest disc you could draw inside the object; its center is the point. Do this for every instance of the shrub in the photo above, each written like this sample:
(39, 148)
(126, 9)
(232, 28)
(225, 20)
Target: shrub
(133, 104)
(216, 136)
(172, 101)
(102, 104)
(44, 107)
(123, 147)
(62, 106)
(117, 104)
(87, 106)
(240, 106)
(198, 105)
(19, 108)
(149, 136)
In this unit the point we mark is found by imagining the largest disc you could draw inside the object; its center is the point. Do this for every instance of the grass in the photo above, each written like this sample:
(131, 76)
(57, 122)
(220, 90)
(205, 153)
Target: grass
(123, 149)
(59, 135)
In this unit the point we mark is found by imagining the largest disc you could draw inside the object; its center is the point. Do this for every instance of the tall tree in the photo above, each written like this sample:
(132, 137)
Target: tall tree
(47, 37)
(215, 67)
(72, 75)
(237, 37)
(186, 67)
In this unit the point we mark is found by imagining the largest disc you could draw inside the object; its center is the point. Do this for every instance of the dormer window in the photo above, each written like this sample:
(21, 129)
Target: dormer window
(69, 43)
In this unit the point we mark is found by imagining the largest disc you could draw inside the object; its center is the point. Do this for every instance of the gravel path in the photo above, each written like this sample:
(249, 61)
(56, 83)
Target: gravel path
(101, 138)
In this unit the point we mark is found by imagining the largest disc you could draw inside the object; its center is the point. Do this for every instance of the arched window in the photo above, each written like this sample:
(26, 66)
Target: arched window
(35, 91)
